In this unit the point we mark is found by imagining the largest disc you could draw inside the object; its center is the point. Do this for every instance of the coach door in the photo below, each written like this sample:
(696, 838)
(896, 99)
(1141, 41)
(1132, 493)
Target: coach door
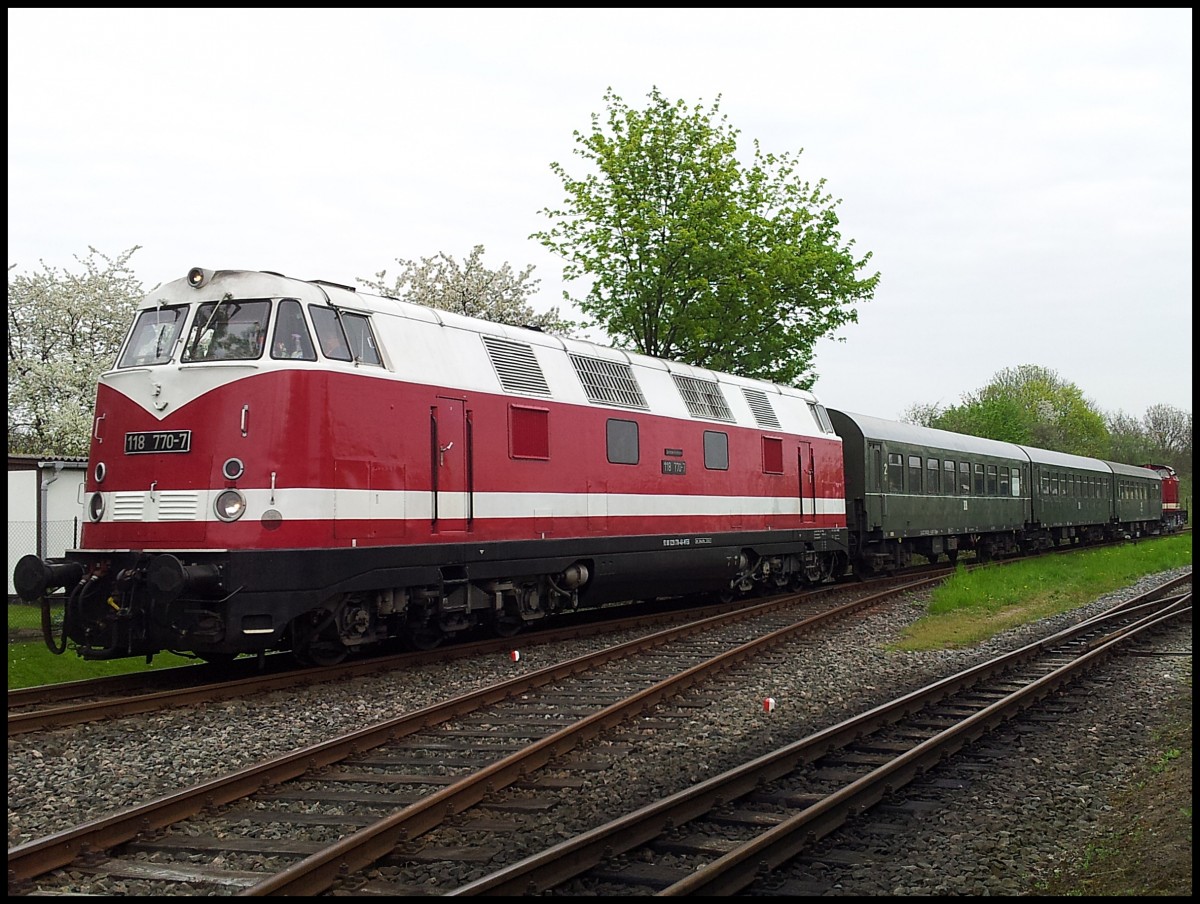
(808, 483)
(450, 465)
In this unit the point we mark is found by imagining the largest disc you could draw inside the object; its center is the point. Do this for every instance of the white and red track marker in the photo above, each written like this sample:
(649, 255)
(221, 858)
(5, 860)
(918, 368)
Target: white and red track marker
(768, 704)
(515, 655)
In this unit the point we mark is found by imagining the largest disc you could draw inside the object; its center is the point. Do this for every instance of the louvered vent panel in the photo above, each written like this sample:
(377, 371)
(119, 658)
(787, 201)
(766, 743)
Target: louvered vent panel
(516, 367)
(128, 506)
(178, 506)
(610, 382)
(703, 398)
(761, 406)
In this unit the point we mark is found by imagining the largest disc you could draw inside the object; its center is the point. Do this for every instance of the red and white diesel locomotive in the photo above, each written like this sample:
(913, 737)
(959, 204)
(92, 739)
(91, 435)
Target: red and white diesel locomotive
(288, 464)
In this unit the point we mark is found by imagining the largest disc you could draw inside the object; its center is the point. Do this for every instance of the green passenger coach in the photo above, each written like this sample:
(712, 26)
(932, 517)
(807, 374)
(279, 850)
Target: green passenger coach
(913, 489)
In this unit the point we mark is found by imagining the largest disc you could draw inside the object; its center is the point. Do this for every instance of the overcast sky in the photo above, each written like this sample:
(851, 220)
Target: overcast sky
(1023, 178)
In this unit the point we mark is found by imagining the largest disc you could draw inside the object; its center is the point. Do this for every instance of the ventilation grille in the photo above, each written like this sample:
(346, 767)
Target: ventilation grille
(178, 505)
(761, 406)
(609, 382)
(516, 367)
(703, 398)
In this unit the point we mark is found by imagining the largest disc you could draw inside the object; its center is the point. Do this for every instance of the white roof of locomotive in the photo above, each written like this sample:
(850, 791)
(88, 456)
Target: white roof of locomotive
(458, 360)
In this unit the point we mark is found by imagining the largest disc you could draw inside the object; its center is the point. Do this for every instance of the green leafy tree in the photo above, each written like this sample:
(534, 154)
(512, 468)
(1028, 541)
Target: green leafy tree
(470, 288)
(1129, 441)
(695, 257)
(1162, 436)
(64, 330)
(1028, 404)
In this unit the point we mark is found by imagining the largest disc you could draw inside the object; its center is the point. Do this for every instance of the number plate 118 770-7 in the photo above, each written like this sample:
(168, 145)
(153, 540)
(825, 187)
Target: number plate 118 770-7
(158, 441)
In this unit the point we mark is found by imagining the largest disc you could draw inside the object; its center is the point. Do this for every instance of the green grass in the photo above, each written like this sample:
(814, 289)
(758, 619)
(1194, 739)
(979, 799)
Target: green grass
(975, 605)
(30, 662)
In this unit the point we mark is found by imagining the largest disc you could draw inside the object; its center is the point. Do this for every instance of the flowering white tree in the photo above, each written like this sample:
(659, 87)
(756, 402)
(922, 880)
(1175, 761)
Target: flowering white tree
(470, 288)
(64, 330)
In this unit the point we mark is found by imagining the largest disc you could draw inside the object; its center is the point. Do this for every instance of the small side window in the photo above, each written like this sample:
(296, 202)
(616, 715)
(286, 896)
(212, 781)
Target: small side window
(529, 432)
(716, 450)
(622, 439)
(772, 453)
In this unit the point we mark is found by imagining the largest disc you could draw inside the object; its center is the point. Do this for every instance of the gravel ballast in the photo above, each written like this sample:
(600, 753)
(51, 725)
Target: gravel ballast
(1007, 827)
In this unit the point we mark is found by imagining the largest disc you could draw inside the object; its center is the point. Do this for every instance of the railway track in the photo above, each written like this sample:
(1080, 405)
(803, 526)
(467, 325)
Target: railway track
(503, 734)
(721, 836)
(442, 779)
(61, 705)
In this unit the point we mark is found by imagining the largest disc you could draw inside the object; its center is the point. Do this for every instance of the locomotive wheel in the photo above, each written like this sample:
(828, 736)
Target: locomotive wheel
(508, 626)
(318, 643)
(426, 637)
(322, 652)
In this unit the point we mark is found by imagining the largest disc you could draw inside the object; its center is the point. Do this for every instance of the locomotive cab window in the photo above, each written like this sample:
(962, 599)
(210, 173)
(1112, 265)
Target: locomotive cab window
(821, 416)
(291, 338)
(153, 337)
(344, 336)
(227, 330)
(622, 437)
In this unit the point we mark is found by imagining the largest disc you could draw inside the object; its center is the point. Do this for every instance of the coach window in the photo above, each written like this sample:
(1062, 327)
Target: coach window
(992, 489)
(931, 476)
(622, 442)
(895, 473)
(964, 478)
(948, 478)
(1004, 482)
(528, 432)
(716, 450)
(772, 453)
(291, 333)
(914, 473)
(1016, 481)
(979, 480)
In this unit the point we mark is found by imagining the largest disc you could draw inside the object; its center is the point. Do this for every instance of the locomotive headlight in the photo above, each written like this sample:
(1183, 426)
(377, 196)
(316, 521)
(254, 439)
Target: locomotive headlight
(96, 506)
(230, 505)
(196, 277)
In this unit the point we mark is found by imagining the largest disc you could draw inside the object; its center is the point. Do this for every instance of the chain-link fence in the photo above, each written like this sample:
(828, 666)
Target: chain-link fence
(24, 619)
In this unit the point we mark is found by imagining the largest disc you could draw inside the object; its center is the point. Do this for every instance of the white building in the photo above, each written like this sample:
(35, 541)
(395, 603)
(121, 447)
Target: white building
(45, 507)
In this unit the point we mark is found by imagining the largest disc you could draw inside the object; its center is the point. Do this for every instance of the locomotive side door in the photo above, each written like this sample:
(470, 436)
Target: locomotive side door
(808, 483)
(450, 465)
